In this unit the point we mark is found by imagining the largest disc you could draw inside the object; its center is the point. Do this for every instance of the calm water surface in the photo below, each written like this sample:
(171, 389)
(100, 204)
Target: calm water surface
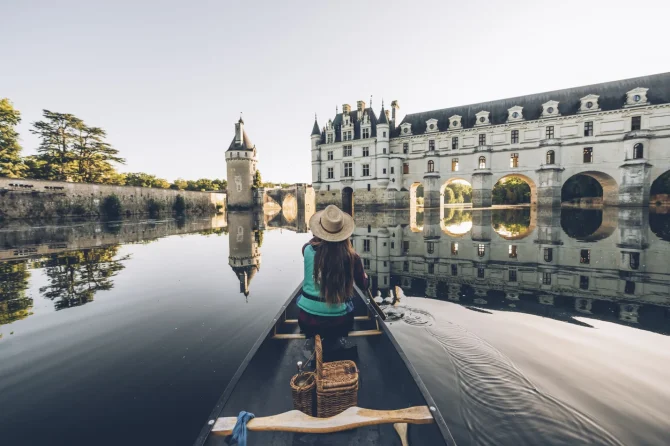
(528, 327)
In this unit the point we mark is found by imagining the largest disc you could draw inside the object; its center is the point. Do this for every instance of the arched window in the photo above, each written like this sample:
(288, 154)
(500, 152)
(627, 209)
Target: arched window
(431, 166)
(482, 162)
(638, 151)
(550, 157)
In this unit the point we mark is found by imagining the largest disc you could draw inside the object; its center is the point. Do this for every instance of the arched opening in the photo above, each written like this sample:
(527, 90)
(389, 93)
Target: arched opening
(588, 224)
(482, 162)
(513, 224)
(514, 189)
(456, 191)
(431, 166)
(659, 223)
(590, 188)
(456, 222)
(638, 151)
(551, 157)
(348, 200)
(416, 206)
(660, 190)
(416, 194)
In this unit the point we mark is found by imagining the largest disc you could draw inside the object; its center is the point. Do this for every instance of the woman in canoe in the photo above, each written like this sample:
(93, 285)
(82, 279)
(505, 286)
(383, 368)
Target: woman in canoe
(331, 267)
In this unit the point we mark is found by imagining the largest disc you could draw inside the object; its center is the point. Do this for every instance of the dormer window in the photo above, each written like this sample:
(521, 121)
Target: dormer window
(406, 128)
(329, 138)
(589, 104)
(431, 125)
(550, 109)
(515, 114)
(366, 133)
(637, 96)
(482, 118)
(455, 122)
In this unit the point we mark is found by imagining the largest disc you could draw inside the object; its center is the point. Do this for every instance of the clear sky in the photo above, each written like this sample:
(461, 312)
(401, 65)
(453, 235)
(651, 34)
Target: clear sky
(168, 79)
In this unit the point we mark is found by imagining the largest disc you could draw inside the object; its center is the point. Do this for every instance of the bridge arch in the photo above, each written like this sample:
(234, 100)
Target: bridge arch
(604, 186)
(589, 225)
(445, 195)
(660, 189)
(456, 222)
(532, 193)
(348, 200)
(514, 223)
(415, 192)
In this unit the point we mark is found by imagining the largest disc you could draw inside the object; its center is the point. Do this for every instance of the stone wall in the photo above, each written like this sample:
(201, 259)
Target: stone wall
(24, 198)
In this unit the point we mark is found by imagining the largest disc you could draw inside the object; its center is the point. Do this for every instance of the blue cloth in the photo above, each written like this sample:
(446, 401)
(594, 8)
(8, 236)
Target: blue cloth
(240, 430)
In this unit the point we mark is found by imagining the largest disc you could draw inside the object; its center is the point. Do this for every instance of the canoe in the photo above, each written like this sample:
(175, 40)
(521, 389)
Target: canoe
(393, 402)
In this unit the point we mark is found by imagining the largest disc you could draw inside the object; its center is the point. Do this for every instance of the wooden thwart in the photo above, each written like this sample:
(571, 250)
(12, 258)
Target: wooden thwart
(351, 334)
(356, 318)
(354, 417)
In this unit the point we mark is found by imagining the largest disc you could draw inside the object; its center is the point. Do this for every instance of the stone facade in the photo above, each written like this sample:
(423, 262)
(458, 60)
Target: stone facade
(25, 198)
(621, 261)
(617, 133)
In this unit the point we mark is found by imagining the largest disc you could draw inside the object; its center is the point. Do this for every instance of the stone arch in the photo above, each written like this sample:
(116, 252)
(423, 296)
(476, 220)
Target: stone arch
(413, 205)
(443, 188)
(660, 189)
(289, 207)
(529, 181)
(589, 225)
(456, 222)
(609, 186)
(348, 200)
(514, 223)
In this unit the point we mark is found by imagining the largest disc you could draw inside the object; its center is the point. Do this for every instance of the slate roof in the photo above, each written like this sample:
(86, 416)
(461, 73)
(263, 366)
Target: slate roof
(382, 117)
(315, 129)
(612, 97)
(337, 125)
(247, 144)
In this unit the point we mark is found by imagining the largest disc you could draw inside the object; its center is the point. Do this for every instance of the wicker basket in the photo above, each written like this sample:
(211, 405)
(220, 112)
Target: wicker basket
(336, 384)
(302, 390)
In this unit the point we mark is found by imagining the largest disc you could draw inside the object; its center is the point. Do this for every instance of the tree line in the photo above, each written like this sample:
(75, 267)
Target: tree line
(72, 150)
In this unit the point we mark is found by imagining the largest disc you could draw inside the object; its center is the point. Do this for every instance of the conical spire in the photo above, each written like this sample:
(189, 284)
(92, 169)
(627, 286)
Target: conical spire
(382, 116)
(315, 129)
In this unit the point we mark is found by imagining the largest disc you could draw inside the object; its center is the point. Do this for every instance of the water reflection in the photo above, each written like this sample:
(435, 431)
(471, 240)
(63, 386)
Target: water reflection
(609, 264)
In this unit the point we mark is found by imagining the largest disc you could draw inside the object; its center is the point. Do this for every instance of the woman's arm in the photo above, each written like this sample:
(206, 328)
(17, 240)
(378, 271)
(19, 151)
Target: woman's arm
(360, 278)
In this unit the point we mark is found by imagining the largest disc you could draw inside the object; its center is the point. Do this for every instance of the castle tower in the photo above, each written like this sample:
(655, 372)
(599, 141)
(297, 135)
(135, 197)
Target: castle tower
(244, 240)
(316, 156)
(241, 166)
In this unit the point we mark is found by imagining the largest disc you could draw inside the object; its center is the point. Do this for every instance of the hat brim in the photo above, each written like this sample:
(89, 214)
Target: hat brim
(348, 227)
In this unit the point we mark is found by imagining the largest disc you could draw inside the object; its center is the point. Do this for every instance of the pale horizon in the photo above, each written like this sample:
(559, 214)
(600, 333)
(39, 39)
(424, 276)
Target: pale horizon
(167, 80)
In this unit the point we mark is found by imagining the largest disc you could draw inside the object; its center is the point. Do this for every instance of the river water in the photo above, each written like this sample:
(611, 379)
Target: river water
(528, 327)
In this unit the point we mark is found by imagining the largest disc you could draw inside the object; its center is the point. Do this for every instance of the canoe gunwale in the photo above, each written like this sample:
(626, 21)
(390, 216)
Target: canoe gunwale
(206, 430)
(223, 399)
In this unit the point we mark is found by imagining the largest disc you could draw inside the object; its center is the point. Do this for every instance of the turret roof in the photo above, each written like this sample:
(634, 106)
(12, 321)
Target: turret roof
(246, 144)
(315, 129)
(382, 117)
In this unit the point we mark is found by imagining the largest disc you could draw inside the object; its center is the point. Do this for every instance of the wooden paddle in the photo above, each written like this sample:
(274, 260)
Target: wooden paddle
(353, 417)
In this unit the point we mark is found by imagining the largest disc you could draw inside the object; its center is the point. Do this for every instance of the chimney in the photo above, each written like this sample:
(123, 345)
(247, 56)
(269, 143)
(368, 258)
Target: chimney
(346, 108)
(360, 106)
(394, 107)
(239, 132)
(388, 117)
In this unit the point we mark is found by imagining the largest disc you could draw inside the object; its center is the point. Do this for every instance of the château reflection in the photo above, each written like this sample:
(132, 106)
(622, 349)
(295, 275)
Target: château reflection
(608, 263)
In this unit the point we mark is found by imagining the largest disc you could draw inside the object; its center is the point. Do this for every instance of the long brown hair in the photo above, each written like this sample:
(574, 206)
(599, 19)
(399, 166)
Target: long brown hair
(334, 270)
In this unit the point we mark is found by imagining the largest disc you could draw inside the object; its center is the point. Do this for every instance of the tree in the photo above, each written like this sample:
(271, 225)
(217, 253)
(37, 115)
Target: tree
(449, 196)
(141, 179)
(57, 133)
(511, 191)
(92, 155)
(258, 182)
(179, 184)
(10, 150)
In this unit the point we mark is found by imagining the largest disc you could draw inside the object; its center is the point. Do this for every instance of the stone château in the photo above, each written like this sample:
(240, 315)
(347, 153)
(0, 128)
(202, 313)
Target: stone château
(615, 132)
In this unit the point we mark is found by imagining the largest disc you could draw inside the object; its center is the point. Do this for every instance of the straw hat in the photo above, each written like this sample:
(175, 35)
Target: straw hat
(331, 224)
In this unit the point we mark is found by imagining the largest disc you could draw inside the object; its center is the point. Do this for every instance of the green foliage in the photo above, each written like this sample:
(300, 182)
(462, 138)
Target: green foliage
(661, 185)
(259, 238)
(449, 196)
(461, 193)
(581, 186)
(72, 150)
(456, 216)
(179, 205)
(154, 207)
(111, 207)
(511, 221)
(141, 179)
(203, 184)
(511, 191)
(10, 150)
(258, 182)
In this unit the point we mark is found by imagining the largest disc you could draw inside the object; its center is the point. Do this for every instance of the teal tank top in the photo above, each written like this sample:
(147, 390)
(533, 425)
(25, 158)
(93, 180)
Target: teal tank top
(312, 288)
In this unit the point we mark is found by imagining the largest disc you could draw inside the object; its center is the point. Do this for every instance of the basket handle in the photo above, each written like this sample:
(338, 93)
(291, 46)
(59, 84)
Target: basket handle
(318, 350)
